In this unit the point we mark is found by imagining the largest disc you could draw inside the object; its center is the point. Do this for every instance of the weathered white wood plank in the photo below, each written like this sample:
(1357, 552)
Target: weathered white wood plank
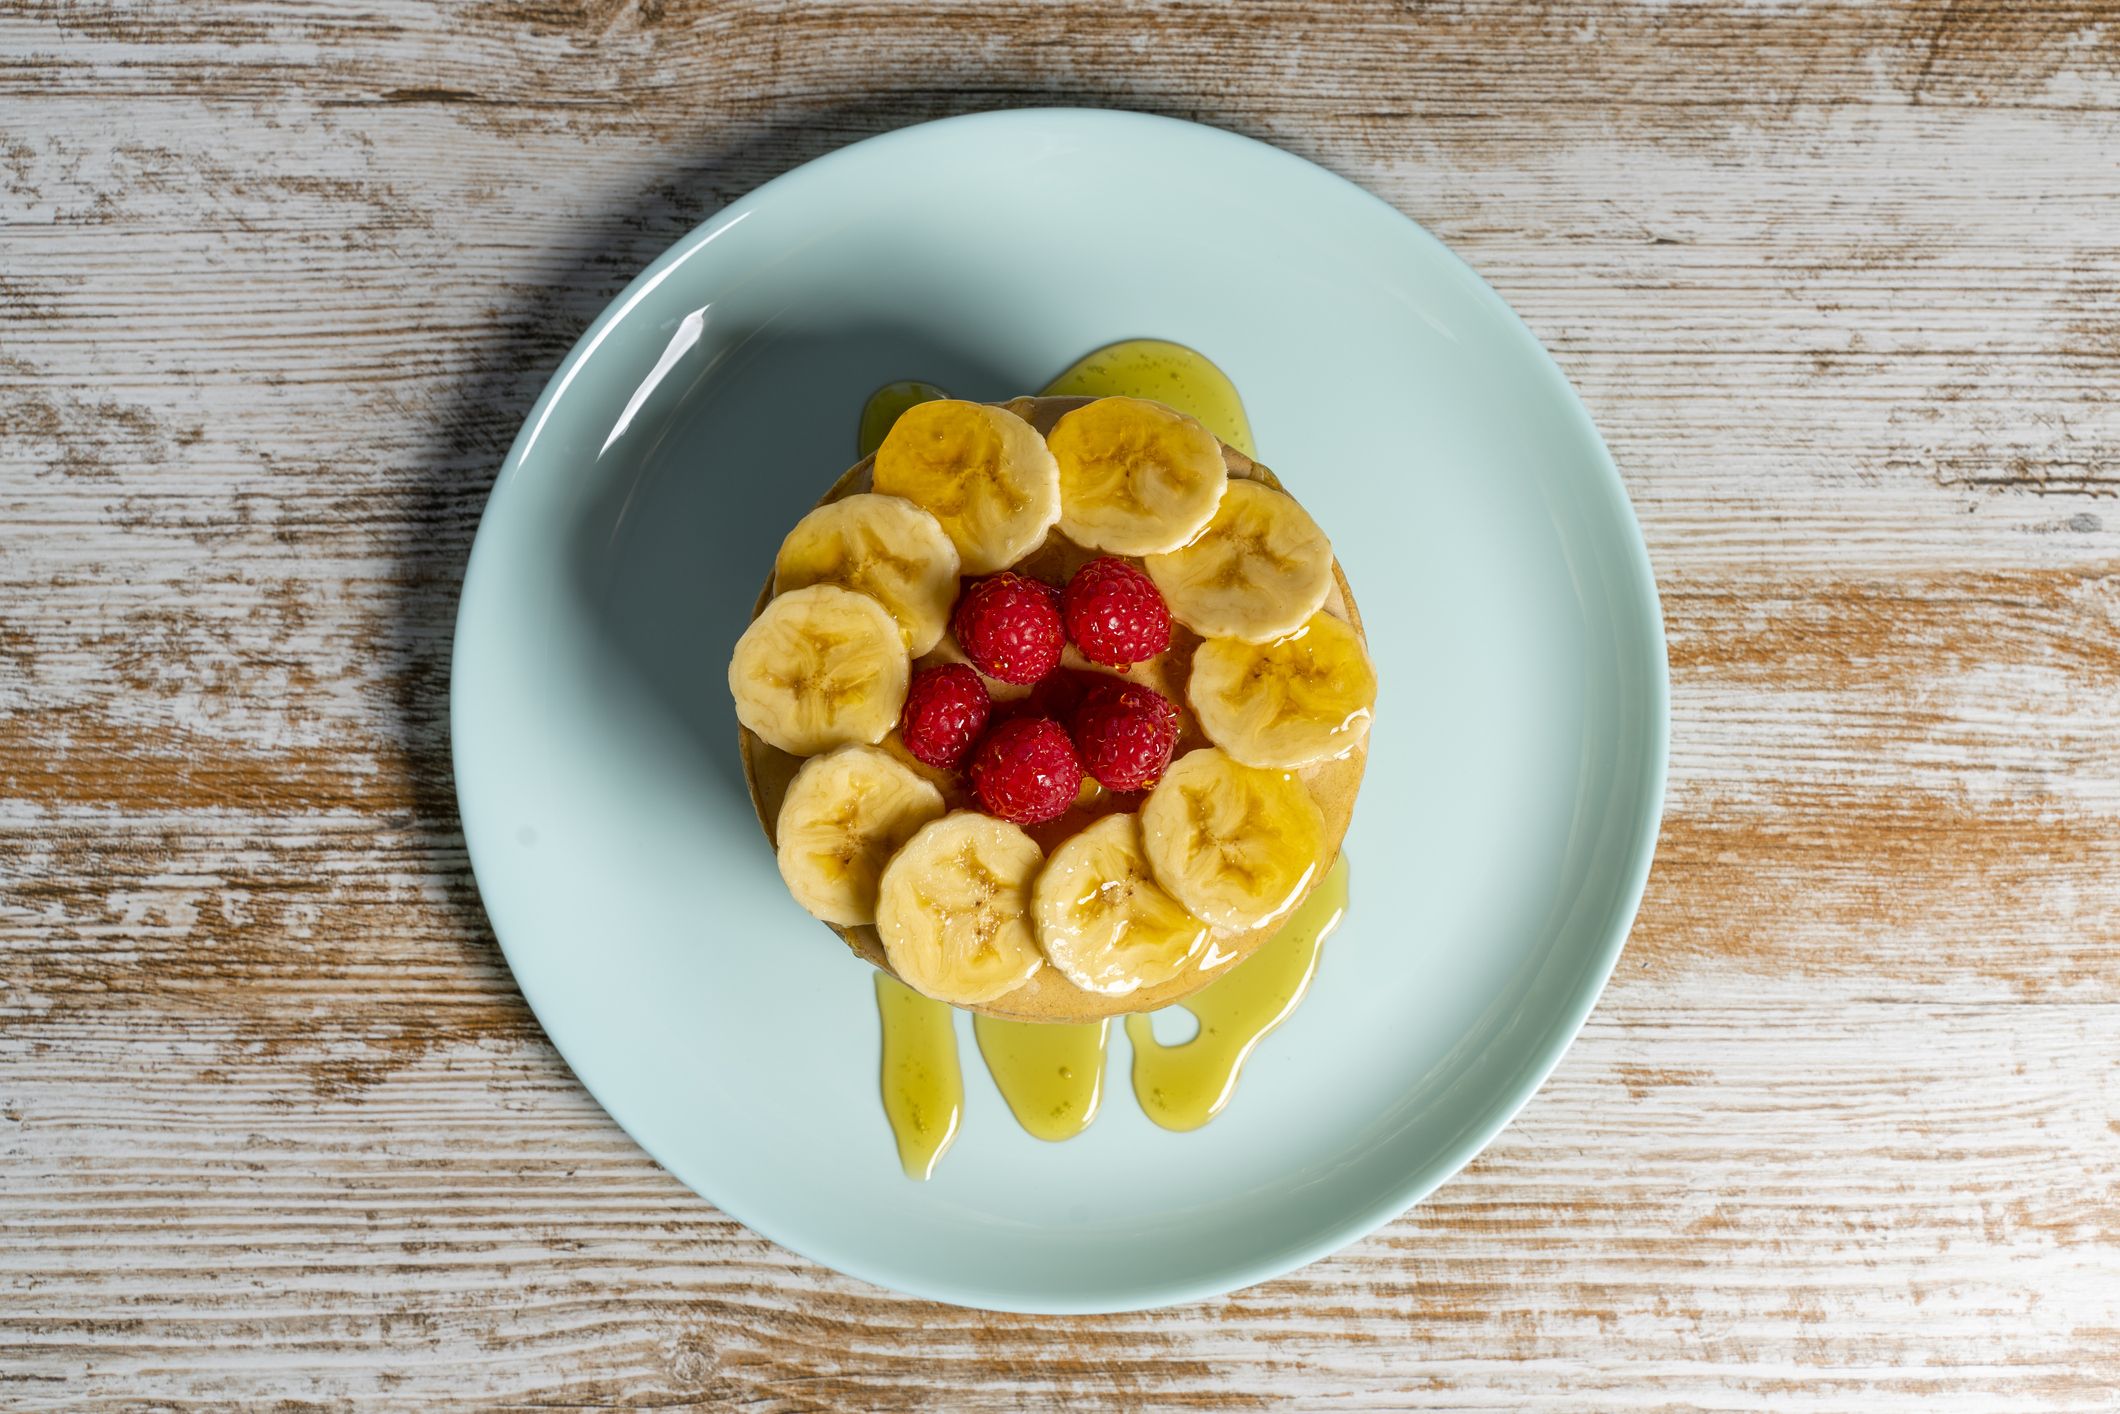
(1912, 1232)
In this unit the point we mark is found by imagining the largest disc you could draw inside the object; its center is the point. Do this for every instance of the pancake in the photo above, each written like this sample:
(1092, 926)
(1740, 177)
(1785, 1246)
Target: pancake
(1049, 996)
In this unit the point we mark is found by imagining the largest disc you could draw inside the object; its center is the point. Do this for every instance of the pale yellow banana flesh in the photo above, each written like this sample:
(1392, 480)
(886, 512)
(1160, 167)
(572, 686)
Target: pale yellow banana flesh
(1136, 478)
(820, 667)
(1303, 698)
(846, 813)
(882, 546)
(1236, 845)
(1258, 571)
(953, 909)
(1102, 918)
(983, 472)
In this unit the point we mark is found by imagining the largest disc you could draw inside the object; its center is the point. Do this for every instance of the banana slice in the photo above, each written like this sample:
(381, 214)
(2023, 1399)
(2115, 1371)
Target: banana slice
(1135, 477)
(1259, 570)
(1307, 697)
(1102, 918)
(983, 472)
(846, 813)
(953, 909)
(819, 668)
(882, 546)
(1235, 844)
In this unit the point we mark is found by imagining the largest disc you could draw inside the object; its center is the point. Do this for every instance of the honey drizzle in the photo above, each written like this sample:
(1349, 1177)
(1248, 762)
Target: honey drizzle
(885, 406)
(923, 1090)
(1186, 1085)
(1052, 1075)
(1164, 372)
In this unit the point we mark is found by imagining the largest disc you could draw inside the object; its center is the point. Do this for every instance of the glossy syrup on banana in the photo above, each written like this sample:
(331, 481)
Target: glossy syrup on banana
(1052, 1076)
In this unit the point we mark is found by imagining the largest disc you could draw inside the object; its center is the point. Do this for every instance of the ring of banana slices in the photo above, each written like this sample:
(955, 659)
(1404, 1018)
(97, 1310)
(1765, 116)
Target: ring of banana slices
(1125, 903)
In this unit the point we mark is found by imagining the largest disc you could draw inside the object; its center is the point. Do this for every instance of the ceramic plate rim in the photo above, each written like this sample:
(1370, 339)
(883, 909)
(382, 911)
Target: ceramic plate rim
(1352, 1225)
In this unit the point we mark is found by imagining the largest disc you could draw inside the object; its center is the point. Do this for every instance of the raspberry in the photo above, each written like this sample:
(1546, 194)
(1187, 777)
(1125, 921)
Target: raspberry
(1009, 626)
(1125, 733)
(945, 710)
(1114, 614)
(1026, 771)
(1056, 695)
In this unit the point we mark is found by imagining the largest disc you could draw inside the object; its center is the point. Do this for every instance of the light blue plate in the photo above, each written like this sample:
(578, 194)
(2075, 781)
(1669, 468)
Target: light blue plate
(1515, 773)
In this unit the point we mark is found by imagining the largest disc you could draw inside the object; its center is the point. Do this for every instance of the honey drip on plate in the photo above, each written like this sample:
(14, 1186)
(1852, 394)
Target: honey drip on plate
(923, 1090)
(885, 406)
(1168, 373)
(1186, 1085)
(1052, 1075)
(1133, 368)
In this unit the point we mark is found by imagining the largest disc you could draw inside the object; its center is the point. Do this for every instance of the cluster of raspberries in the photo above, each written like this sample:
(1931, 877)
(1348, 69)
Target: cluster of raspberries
(1027, 757)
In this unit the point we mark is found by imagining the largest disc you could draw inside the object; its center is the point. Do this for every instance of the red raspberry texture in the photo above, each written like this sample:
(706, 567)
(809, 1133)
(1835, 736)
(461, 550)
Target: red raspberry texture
(1026, 771)
(1115, 614)
(945, 710)
(1125, 733)
(1009, 626)
(1057, 696)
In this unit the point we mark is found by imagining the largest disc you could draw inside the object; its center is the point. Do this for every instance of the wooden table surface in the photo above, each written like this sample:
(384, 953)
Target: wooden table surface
(1840, 283)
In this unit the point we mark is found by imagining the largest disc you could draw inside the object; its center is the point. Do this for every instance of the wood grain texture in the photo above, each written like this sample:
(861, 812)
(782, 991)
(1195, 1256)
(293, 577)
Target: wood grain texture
(1841, 285)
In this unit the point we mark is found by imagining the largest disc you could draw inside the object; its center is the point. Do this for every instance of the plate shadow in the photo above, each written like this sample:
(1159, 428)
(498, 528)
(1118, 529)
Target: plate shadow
(681, 529)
